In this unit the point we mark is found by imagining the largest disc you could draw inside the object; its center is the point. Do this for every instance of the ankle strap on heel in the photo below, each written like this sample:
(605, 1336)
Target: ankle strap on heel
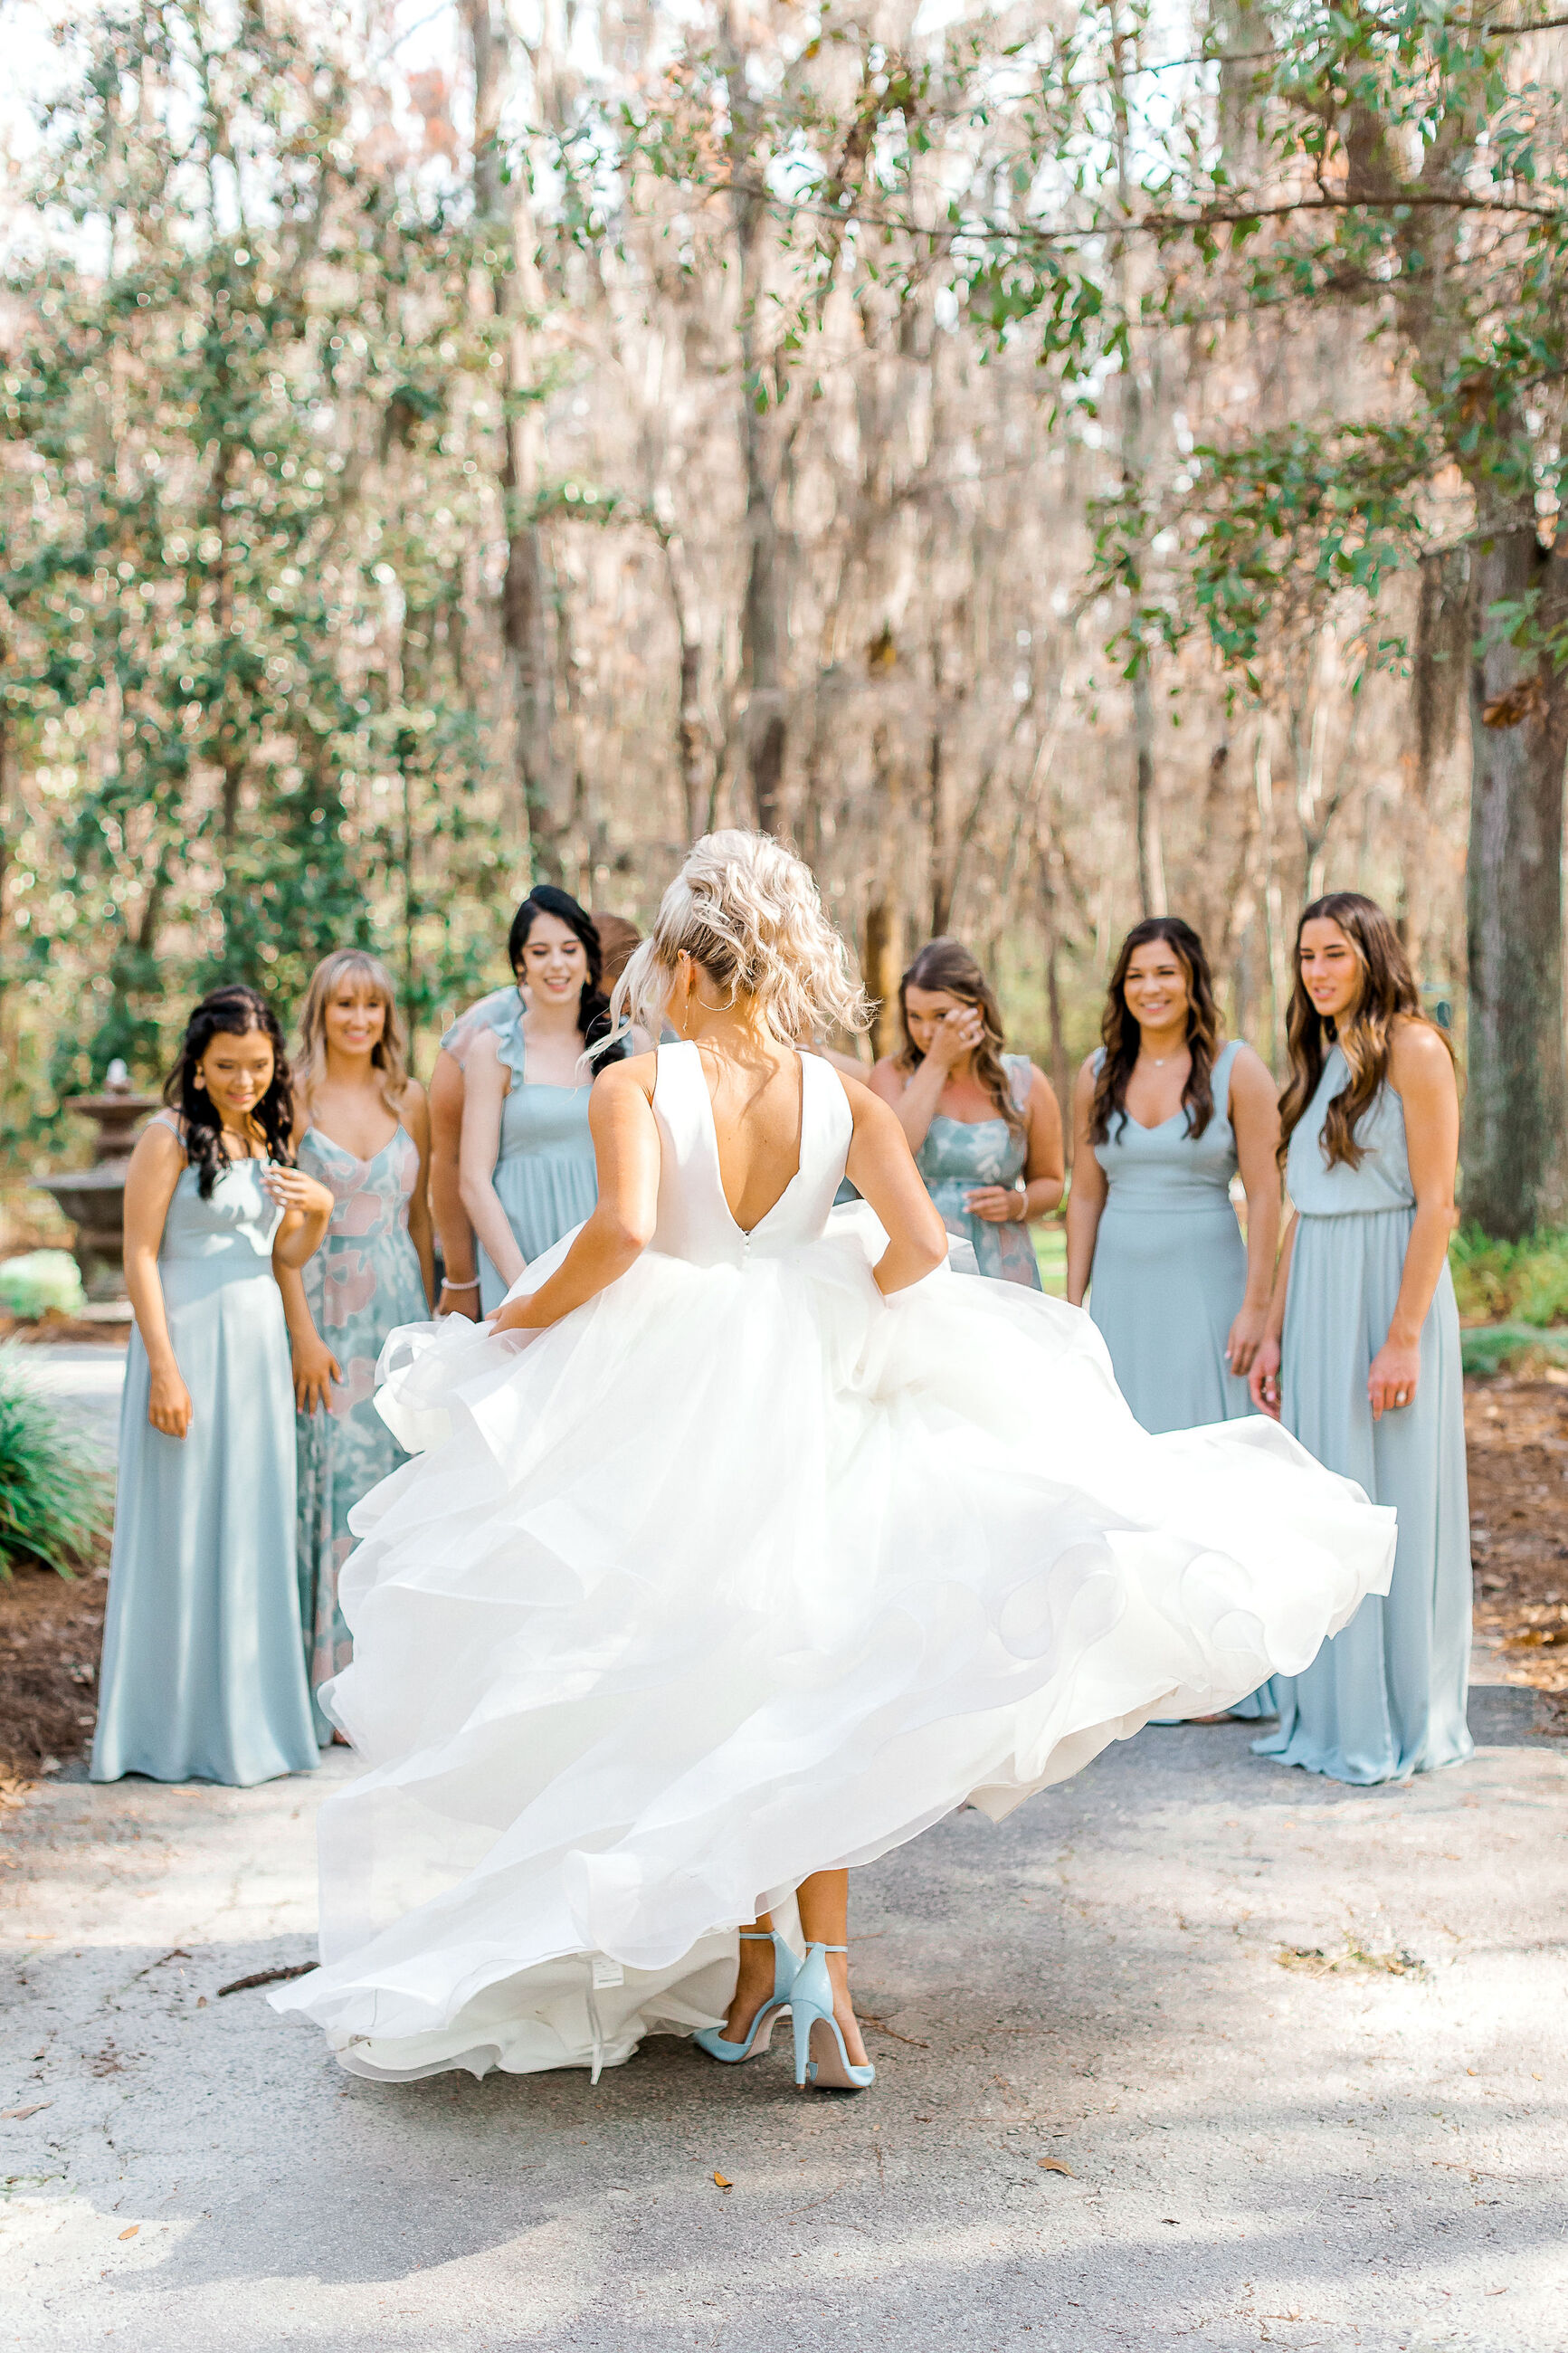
(815, 1947)
(757, 1936)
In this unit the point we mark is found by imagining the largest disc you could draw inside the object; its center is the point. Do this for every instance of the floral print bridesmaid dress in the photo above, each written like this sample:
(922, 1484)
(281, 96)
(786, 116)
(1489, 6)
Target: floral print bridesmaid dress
(362, 1283)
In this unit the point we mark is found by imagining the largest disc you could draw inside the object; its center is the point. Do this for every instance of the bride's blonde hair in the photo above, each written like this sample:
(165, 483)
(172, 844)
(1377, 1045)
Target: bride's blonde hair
(747, 910)
(389, 1055)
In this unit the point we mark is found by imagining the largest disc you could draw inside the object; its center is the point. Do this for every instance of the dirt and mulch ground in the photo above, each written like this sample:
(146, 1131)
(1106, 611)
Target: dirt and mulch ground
(51, 1631)
(41, 1331)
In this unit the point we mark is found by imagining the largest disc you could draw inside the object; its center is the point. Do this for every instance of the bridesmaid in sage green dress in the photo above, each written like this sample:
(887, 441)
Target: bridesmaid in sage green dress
(526, 1165)
(1362, 1359)
(364, 1131)
(984, 1125)
(1164, 1117)
(203, 1677)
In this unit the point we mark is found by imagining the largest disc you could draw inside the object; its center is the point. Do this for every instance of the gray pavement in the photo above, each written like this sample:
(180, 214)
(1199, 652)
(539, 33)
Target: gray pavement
(1247, 2146)
(84, 1379)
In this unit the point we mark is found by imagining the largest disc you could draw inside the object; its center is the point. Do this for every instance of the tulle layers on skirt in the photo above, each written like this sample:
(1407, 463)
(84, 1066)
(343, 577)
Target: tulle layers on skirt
(739, 1573)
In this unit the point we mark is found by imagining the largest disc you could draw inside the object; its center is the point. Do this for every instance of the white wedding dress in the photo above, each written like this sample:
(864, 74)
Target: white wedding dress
(740, 1572)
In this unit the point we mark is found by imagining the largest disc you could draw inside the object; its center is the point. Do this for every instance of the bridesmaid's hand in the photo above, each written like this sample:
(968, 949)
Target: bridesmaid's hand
(314, 1366)
(463, 1301)
(292, 1189)
(1246, 1339)
(958, 1033)
(999, 1205)
(1392, 1381)
(1263, 1380)
(168, 1402)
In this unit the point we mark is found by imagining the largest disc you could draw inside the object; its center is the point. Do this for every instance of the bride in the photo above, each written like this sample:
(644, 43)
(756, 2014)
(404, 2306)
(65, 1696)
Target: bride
(746, 1543)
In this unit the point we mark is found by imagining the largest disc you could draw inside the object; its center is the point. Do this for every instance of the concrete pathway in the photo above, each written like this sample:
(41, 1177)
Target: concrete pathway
(84, 1379)
(1246, 2145)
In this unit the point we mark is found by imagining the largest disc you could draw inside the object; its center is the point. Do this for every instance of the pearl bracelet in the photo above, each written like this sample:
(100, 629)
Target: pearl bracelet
(447, 1284)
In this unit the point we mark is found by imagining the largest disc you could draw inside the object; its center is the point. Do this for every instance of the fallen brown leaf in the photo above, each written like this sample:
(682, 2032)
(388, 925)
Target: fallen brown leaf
(1055, 2165)
(133, 2231)
(722, 2183)
(20, 2113)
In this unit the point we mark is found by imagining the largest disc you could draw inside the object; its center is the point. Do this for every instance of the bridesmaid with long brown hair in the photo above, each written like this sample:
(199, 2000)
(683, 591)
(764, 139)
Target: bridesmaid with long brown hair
(1361, 1357)
(984, 1125)
(1165, 1115)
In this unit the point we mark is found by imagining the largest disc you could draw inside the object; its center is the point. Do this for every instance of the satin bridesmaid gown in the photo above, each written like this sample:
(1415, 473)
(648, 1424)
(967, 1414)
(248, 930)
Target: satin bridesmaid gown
(1386, 1698)
(204, 1675)
(1170, 1266)
(1170, 1274)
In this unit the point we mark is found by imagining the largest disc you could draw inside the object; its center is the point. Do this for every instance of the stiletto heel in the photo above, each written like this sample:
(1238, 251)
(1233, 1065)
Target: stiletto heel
(710, 2039)
(828, 2068)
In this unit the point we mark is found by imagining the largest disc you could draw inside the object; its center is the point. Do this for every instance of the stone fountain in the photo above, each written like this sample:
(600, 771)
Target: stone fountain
(94, 1198)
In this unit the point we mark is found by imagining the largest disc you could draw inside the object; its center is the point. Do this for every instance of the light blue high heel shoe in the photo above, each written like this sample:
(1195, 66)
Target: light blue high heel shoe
(712, 2039)
(827, 2065)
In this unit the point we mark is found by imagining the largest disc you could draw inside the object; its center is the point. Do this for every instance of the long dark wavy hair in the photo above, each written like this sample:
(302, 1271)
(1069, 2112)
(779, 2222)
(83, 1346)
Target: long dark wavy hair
(947, 964)
(593, 1005)
(1365, 1034)
(234, 1009)
(1121, 1034)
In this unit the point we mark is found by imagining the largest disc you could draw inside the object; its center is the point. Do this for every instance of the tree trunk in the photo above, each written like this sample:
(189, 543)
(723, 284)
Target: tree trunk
(505, 242)
(1515, 1172)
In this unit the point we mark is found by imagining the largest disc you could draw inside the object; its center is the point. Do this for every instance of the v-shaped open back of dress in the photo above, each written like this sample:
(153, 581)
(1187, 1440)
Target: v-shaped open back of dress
(740, 1572)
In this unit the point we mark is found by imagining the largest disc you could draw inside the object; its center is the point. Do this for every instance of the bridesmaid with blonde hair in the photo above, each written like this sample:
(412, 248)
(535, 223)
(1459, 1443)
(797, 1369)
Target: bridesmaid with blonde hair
(363, 1131)
(1361, 1360)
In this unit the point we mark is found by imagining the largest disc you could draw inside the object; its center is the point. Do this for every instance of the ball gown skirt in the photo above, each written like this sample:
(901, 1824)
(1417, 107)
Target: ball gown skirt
(740, 1572)
(204, 1673)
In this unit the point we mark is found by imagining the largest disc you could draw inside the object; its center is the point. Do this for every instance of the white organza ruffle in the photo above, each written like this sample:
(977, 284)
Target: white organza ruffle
(739, 1573)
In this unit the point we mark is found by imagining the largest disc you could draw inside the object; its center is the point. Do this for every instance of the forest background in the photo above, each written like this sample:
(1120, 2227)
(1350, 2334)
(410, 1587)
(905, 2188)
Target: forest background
(1052, 463)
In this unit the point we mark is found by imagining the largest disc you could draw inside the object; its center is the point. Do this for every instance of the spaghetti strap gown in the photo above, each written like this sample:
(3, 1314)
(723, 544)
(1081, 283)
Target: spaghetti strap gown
(1170, 1274)
(362, 1283)
(957, 1156)
(742, 1571)
(202, 1675)
(1386, 1698)
(545, 1177)
(1169, 1267)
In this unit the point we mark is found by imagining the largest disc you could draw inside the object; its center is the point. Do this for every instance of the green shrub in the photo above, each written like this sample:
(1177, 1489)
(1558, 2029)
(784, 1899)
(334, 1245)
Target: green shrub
(41, 1279)
(56, 1495)
(1489, 1348)
(1519, 1283)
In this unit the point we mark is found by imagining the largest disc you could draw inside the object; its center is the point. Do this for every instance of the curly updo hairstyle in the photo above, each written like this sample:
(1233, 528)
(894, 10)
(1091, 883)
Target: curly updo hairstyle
(747, 910)
(593, 1005)
(234, 1009)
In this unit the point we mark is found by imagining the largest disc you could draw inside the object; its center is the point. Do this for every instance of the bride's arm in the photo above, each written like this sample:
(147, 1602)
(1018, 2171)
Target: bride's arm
(882, 1170)
(625, 1146)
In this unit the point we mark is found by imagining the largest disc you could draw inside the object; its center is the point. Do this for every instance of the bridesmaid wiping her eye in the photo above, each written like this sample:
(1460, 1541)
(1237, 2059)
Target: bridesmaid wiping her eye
(984, 1125)
(203, 1677)
(364, 1131)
